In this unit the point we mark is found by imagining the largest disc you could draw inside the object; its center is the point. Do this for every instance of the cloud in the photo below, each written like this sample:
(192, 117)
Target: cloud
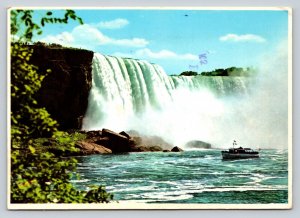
(242, 38)
(113, 24)
(64, 38)
(89, 37)
(162, 54)
(134, 42)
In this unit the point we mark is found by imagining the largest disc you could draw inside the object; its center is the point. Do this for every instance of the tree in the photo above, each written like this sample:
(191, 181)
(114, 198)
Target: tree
(38, 175)
(28, 120)
(23, 25)
(188, 73)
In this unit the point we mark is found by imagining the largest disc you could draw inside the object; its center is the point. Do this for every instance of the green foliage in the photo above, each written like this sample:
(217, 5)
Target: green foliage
(63, 143)
(39, 171)
(27, 119)
(23, 25)
(217, 72)
(40, 177)
(43, 177)
(231, 71)
(97, 194)
(188, 73)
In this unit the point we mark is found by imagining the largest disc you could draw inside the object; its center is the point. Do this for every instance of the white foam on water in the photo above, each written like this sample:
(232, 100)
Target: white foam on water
(80, 180)
(139, 188)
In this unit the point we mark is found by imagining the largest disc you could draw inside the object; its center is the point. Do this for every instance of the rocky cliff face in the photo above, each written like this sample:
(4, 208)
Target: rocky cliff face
(65, 90)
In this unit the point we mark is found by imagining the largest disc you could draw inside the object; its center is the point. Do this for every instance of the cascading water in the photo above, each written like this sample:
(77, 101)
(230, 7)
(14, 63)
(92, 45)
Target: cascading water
(134, 94)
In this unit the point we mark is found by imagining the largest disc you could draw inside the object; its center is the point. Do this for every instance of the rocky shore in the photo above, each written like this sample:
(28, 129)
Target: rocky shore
(106, 141)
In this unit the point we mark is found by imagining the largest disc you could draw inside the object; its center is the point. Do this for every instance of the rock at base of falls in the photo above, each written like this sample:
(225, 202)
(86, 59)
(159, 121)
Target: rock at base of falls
(176, 149)
(121, 142)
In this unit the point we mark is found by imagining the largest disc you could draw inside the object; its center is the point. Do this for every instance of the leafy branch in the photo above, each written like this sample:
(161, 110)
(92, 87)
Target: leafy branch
(23, 25)
(38, 174)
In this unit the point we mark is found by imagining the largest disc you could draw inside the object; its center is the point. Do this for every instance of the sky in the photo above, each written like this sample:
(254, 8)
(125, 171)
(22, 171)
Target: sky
(178, 40)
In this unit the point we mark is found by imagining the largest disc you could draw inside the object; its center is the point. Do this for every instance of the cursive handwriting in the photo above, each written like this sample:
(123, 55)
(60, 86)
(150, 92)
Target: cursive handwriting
(193, 67)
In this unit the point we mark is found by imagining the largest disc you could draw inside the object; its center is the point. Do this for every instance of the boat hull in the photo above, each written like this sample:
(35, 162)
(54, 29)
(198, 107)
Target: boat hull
(238, 156)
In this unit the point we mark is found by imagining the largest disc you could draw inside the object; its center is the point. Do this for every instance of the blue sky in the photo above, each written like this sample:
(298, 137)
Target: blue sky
(174, 39)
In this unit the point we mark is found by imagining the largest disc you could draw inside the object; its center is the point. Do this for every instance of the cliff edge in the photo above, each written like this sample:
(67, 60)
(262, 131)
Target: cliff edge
(64, 92)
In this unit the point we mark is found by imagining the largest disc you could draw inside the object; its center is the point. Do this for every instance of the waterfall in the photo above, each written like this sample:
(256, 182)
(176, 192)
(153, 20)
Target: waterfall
(135, 94)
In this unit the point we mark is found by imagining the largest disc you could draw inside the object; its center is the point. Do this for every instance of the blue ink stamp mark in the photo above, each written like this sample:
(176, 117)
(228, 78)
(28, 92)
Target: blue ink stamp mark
(203, 58)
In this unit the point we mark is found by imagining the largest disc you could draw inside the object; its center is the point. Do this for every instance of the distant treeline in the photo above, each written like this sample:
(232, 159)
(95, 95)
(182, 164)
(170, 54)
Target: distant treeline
(38, 43)
(43, 44)
(231, 71)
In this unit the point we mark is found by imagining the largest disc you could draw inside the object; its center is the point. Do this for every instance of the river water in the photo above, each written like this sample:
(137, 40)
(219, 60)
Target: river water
(198, 176)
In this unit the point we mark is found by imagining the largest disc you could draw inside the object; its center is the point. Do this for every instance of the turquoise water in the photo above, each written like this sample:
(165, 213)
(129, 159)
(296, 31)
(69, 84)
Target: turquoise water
(199, 176)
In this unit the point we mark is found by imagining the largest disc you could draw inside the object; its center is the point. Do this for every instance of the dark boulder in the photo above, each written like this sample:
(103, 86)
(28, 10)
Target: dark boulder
(155, 148)
(135, 141)
(117, 142)
(176, 149)
(141, 148)
(104, 141)
(147, 141)
(124, 134)
(93, 134)
(145, 144)
(113, 135)
(86, 148)
(121, 142)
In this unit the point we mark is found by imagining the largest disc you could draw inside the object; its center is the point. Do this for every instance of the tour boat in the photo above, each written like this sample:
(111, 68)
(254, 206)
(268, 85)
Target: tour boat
(239, 153)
